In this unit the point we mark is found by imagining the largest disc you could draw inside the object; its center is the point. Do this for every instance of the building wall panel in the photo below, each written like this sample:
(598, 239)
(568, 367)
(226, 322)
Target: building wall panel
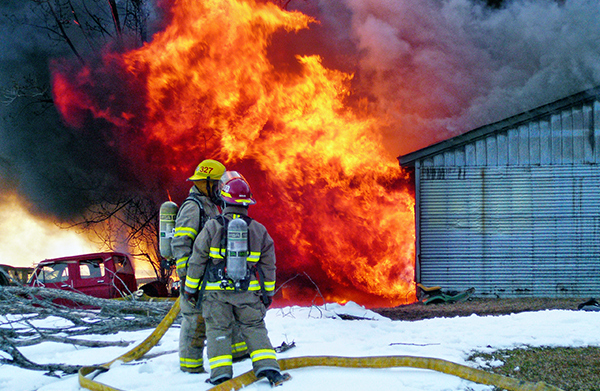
(516, 212)
(513, 208)
(511, 231)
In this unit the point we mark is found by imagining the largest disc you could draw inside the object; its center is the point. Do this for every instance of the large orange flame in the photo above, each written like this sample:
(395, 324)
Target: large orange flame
(335, 201)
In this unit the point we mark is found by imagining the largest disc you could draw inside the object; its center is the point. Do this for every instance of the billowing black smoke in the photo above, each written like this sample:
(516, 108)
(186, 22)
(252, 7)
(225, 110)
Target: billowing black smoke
(59, 171)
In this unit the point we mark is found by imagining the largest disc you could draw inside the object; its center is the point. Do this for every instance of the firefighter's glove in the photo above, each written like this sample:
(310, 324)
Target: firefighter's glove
(191, 298)
(267, 300)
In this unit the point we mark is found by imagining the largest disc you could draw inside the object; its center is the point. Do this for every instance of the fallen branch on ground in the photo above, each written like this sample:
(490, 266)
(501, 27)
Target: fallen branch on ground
(21, 361)
(30, 313)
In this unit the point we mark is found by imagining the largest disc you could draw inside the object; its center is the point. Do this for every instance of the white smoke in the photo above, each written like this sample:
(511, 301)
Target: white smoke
(438, 68)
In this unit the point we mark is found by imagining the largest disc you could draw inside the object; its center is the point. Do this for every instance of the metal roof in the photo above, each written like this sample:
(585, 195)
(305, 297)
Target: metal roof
(410, 158)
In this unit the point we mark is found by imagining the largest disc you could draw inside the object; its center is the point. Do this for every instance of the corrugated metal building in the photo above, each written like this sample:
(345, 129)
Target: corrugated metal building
(513, 208)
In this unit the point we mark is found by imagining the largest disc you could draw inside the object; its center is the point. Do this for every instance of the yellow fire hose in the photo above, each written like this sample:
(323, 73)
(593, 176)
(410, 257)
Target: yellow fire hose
(435, 364)
(462, 371)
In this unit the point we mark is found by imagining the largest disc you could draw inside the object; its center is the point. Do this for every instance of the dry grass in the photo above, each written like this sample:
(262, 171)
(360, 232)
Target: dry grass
(571, 369)
(567, 368)
(479, 306)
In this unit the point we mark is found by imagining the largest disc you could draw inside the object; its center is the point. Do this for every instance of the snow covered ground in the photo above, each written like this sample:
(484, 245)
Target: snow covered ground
(320, 331)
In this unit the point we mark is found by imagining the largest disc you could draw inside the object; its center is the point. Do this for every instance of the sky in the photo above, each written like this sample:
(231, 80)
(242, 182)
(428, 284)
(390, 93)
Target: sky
(319, 331)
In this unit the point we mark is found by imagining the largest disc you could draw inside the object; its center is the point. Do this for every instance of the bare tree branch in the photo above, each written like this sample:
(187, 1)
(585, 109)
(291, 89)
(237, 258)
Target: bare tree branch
(70, 341)
(98, 24)
(23, 306)
(311, 281)
(21, 361)
(79, 308)
(78, 23)
(63, 33)
(115, 15)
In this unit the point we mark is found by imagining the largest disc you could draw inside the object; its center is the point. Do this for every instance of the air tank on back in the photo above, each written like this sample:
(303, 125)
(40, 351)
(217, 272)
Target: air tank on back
(168, 213)
(237, 249)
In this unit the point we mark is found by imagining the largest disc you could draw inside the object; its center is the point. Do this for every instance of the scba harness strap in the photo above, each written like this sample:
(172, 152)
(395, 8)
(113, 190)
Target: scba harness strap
(196, 198)
(217, 272)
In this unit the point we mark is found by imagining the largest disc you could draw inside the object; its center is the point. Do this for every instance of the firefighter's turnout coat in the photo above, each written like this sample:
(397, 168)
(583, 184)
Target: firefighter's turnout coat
(223, 305)
(189, 222)
(192, 216)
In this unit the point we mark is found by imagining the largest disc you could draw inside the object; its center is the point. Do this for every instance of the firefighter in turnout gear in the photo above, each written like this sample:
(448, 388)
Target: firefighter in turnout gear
(201, 205)
(227, 300)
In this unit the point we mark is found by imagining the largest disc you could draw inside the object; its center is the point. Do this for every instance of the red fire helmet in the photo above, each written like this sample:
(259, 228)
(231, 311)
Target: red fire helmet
(235, 190)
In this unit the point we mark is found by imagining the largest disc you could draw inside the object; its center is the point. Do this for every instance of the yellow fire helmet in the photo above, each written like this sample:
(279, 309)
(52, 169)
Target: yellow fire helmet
(208, 169)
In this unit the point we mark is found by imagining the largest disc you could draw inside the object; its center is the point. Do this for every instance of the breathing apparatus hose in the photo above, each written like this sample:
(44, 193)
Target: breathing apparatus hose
(245, 379)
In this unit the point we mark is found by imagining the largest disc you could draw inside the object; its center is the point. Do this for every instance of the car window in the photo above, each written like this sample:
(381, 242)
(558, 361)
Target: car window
(91, 269)
(123, 265)
(56, 272)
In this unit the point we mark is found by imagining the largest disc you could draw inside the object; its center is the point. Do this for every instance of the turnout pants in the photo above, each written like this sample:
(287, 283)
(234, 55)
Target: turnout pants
(192, 336)
(221, 311)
